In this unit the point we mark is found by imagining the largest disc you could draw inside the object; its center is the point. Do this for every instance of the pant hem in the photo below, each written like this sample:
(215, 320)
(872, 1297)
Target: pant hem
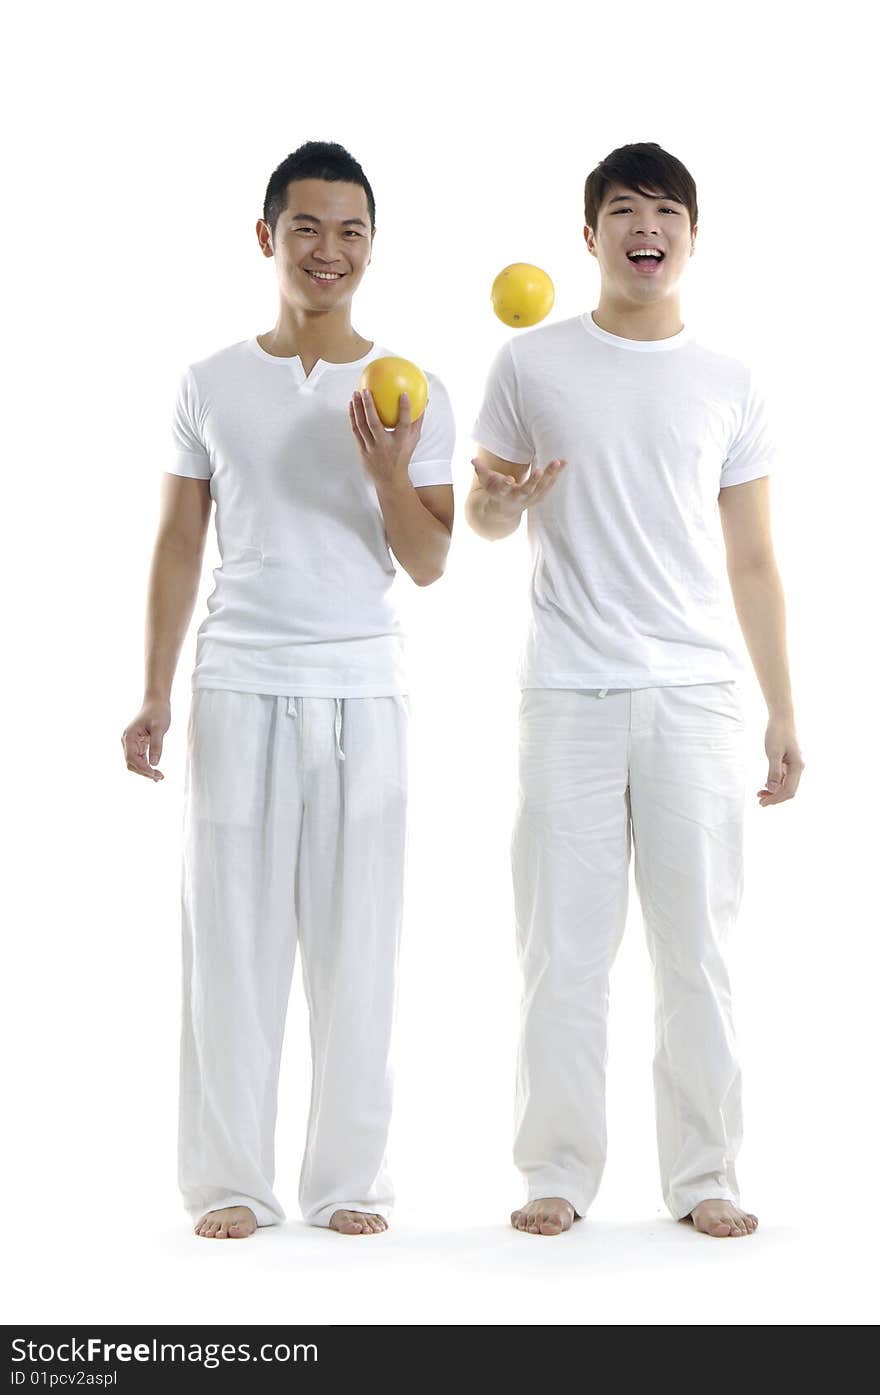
(573, 1195)
(685, 1203)
(262, 1213)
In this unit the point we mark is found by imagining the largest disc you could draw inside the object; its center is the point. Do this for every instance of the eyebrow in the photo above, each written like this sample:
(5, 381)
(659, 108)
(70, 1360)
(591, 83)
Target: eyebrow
(621, 198)
(310, 218)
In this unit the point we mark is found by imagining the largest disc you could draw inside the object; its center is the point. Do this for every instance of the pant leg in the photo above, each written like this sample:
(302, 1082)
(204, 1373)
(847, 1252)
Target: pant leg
(350, 905)
(570, 853)
(687, 789)
(242, 825)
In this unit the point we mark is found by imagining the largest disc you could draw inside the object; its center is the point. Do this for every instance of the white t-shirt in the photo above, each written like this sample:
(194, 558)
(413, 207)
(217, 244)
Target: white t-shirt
(302, 600)
(629, 585)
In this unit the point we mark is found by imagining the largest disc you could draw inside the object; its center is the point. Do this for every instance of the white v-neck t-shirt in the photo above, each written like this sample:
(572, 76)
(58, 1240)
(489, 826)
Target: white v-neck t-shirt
(629, 584)
(302, 601)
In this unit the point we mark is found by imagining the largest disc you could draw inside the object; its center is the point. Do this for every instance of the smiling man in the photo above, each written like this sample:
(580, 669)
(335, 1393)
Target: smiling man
(642, 456)
(296, 776)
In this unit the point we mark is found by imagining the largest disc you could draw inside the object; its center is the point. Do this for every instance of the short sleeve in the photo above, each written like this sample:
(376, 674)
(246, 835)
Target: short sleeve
(189, 456)
(753, 450)
(432, 458)
(499, 425)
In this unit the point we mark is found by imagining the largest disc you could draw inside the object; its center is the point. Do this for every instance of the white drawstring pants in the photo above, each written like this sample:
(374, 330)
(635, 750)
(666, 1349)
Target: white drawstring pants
(294, 829)
(599, 770)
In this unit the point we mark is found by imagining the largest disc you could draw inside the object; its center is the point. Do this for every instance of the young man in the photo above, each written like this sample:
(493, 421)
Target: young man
(296, 777)
(657, 448)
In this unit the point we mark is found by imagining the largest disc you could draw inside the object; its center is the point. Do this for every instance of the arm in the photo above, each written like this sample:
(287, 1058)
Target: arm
(418, 521)
(500, 492)
(173, 587)
(174, 578)
(760, 606)
(418, 525)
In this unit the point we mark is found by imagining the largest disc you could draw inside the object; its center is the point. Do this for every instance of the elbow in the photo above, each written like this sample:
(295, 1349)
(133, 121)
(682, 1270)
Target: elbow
(428, 578)
(752, 564)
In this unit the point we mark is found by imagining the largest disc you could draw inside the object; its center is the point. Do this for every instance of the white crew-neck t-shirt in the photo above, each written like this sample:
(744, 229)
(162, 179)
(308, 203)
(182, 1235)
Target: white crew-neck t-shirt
(302, 600)
(629, 584)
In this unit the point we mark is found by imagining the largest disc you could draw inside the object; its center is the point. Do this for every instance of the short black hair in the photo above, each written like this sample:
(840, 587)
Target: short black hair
(644, 167)
(317, 159)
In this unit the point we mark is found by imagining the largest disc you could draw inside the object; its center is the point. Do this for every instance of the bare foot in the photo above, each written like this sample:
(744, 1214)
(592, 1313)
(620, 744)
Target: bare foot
(722, 1218)
(229, 1223)
(548, 1216)
(357, 1223)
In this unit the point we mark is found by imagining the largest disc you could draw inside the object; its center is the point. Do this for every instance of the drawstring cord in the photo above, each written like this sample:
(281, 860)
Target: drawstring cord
(291, 712)
(339, 751)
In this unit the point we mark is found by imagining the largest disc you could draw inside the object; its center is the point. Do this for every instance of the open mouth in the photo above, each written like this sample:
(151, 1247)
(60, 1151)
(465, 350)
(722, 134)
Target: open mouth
(324, 280)
(646, 263)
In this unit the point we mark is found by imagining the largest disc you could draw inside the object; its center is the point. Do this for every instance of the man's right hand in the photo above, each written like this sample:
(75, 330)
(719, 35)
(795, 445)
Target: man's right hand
(510, 498)
(147, 730)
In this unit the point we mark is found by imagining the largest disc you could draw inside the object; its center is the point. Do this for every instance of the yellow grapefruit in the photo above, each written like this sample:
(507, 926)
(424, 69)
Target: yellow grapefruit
(386, 379)
(522, 295)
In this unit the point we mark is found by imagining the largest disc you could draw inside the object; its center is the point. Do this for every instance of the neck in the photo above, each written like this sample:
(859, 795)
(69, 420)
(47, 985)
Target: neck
(659, 320)
(327, 335)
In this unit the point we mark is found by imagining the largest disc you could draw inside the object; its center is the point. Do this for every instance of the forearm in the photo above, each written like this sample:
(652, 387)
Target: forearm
(173, 588)
(488, 517)
(760, 607)
(419, 541)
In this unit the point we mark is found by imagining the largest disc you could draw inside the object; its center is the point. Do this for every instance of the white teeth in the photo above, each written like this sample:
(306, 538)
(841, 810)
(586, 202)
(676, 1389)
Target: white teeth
(325, 275)
(644, 252)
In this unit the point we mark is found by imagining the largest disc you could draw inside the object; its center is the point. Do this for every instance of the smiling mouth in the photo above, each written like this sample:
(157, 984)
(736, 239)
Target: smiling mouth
(646, 265)
(324, 280)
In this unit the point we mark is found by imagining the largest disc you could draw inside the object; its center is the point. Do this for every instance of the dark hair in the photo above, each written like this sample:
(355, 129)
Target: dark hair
(646, 168)
(317, 159)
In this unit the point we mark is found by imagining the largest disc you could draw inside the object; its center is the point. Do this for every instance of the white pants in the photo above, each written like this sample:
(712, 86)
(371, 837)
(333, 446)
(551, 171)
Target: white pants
(294, 829)
(663, 768)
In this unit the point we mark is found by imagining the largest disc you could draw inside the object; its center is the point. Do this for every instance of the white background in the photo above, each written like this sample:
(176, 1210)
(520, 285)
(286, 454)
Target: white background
(139, 145)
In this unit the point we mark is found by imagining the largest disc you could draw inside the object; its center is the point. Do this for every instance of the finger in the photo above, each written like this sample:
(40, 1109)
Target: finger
(355, 425)
(527, 487)
(776, 774)
(373, 421)
(492, 480)
(549, 472)
(404, 410)
(553, 467)
(545, 483)
(141, 768)
(495, 483)
(360, 416)
(766, 797)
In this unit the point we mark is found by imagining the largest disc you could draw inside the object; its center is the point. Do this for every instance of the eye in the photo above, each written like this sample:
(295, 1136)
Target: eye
(625, 209)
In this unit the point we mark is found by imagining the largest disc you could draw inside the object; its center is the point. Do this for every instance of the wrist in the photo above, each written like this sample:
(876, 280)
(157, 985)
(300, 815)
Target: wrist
(780, 712)
(395, 488)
